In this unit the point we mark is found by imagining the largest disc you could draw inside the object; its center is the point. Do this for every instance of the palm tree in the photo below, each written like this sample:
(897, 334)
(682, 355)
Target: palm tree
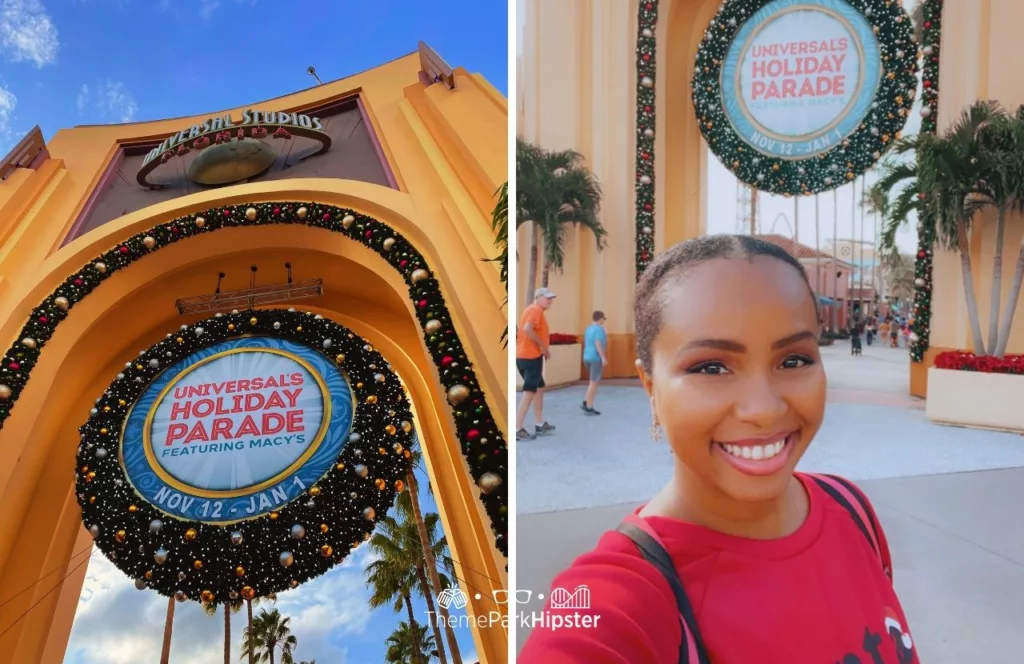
(210, 609)
(249, 603)
(1013, 163)
(165, 652)
(392, 577)
(433, 548)
(409, 645)
(876, 202)
(554, 189)
(268, 633)
(945, 187)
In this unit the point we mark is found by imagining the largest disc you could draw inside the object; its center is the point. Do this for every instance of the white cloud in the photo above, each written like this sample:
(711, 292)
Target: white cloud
(8, 102)
(322, 613)
(108, 100)
(207, 8)
(27, 33)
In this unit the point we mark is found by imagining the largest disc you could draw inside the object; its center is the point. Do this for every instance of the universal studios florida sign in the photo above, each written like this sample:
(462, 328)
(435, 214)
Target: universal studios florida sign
(224, 129)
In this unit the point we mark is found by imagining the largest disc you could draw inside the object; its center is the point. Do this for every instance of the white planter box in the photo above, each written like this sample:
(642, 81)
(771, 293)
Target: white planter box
(562, 369)
(974, 399)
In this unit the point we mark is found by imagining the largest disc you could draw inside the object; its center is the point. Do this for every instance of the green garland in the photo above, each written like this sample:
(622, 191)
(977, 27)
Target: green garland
(219, 562)
(921, 330)
(645, 76)
(859, 152)
(482, 442)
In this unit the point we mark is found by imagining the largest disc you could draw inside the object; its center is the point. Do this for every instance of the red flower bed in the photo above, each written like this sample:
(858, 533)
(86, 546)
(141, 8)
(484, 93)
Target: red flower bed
(960, 361)
(563, 339)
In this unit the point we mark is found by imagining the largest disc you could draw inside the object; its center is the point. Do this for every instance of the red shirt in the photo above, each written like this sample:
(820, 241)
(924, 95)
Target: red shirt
(817, 596)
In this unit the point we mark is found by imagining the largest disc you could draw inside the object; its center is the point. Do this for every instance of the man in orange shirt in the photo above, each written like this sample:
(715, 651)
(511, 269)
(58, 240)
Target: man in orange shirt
(532, 341)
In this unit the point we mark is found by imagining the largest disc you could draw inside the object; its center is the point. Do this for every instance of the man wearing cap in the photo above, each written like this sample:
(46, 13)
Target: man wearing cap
(532, 348)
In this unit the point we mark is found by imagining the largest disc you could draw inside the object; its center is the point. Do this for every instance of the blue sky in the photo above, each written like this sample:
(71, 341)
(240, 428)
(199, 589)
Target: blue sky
(186, 57)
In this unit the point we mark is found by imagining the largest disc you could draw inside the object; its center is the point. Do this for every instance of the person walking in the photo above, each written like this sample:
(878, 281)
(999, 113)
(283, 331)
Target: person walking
(595, 356)
(533, 340)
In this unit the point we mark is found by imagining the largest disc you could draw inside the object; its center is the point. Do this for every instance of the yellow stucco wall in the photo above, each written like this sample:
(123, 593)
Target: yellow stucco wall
(448, 151)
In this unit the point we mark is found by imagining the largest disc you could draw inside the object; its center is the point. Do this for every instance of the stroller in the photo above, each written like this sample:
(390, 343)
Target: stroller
(855, 344)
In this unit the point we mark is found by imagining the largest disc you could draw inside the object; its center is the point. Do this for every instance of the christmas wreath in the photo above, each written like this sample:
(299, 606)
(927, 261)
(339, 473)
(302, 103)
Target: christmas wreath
(783, 161)
(294, 530)
(482, 442)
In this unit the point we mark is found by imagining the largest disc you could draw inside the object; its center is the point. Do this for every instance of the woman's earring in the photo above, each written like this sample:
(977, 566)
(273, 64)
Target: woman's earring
(655, 429)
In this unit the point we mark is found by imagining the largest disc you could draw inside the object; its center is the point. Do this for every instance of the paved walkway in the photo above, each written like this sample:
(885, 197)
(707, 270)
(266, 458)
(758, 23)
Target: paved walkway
(949, 498)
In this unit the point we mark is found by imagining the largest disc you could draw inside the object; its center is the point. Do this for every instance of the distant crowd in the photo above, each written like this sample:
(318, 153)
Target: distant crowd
(890, 329)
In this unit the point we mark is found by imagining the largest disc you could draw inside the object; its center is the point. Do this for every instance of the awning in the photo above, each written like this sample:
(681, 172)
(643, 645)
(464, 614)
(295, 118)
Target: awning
(825, 300)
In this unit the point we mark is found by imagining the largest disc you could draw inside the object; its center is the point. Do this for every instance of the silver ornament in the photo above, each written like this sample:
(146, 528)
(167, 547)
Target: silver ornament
(489, 482)
(286, 559)
(369, 514)
(649, 133)
(919, 282)
(298, 531)
(160, 556)
(354, 438)
(277, 326)
(181, 576)
(236, 537)
(140, 584)
(154, 363)
(645, 179)
(156, 525)
(328, 343)
(361, 470)
(647, 82)
(379, 378)
(94, 531)
(199, 331)
(181, 596)
(648, 33)
(101, 452)
(318, 317)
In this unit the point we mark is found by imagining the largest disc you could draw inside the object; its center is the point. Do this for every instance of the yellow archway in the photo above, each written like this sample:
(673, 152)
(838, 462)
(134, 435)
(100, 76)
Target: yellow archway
(361, 292)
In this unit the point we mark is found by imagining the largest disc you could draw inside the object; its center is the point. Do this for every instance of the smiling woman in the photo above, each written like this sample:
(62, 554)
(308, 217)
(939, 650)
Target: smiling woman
(726, 330)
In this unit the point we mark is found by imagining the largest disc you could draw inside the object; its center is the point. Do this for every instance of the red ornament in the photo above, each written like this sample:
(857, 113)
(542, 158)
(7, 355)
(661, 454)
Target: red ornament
(226, 212)
(649, 6)
(645, 156)
(927, 83)
(77, 282)
(647, 109)
(446, 360)
(277, 210)
(927, 25)
(648, 207)
(327, 216)
(472, 434)
(403, 263)
(422, 304)
(369, 234)
(123, 250)
(175, 230)
(644, 256)
(920, 254)
(646, 57)
(14, 366)
(44, 320)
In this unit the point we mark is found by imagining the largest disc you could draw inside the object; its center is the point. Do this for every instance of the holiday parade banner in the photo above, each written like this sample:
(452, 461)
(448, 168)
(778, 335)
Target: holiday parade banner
(237, 430)
(797, 97)
(800, 77)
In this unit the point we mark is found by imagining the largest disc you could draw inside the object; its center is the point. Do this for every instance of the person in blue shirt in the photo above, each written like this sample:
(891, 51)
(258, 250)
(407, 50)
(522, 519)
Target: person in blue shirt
(595, 356)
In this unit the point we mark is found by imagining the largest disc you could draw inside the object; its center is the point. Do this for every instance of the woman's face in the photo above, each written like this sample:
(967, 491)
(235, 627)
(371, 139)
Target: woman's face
(736, 377)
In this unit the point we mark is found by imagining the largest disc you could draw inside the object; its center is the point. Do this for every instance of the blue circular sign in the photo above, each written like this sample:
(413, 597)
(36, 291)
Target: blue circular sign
(800, 77)
(237, 430)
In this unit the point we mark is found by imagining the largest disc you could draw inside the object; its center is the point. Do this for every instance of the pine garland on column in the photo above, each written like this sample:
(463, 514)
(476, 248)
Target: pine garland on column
(921, 330)
(645, 122)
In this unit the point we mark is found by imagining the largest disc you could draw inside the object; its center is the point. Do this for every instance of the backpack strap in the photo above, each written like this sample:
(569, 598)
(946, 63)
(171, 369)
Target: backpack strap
(850, 498)
(691, 649)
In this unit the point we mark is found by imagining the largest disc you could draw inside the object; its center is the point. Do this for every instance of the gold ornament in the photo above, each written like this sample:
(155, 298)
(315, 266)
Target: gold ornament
(489, 482)
(326, 550)
(148, 242)
(369, 514)
(250, 214)
(323, 528)
(397, 447)
(391, 429)
(340, 466)
(5, 392)
(206, 596)
(191, 534)
(389, 243)
(92, 500)
(348, 221)
(28, 342)
(139, 367)
(399, 486)
(775, 167)
(314, 491)
(248, 592)
(381, 451)
(106, 409)
(121, 402)
(239, 571)
(301, 213)
(340, 358)
(380, 484)
(298, 329)
(148, 575)
(120, 536)
(252, 321)
(103, 430)
(371, 399)
(100, 267)
(432, 326)
(62, 303)
(231, 327)
(200, 222)
(406, 426)
(359, 385)
(133, 509)
(457, 394)
(366, 537)
(90, 476)
(198, 564)
(407, 454)
(180, 340)
(418, 275)
(274, 515)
